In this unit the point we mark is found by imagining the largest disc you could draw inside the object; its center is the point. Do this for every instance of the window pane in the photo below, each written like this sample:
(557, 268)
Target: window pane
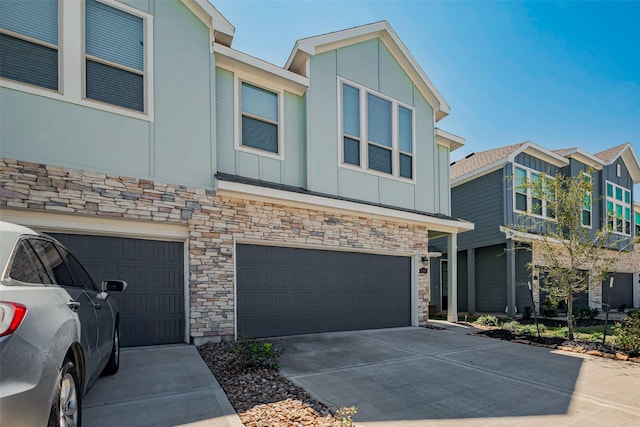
(37, 19)
(350, 110)
(627, 214)
(379, 159)
(259, 134)
(521, 179)
(52, 261)
(28, 62)
(259, 102)
(609, 190)
(114, 35)
(379, 120)
(618, 193)
(26, 267)
(351, 151)
(586, 218)
(80, 276)
(627, 196)
(406, 129)
(536, 206)
(406, 166)
(115, 86)
(521, 202)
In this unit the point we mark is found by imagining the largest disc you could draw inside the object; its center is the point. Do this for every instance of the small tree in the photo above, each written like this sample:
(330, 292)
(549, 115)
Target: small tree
(565, 248)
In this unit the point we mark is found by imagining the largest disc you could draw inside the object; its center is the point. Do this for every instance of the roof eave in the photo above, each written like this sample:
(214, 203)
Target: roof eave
(222, 29)
(540, 153)
(449, 140)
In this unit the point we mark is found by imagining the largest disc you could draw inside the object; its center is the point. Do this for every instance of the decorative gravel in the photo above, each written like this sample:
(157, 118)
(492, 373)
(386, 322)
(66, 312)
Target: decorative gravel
(262, 396)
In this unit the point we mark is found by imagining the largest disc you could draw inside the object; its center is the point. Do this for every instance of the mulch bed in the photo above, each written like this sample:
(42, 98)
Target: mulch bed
(593, 348)
(262, 396)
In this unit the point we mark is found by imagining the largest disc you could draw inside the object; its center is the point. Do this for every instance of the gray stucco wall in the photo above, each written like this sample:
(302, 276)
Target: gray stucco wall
(175, 147)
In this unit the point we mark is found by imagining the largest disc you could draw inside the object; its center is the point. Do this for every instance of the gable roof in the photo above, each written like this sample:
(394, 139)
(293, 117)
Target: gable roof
(482, 163)
(580, 155)
(629, 157)
(304, 48)
(221, 28)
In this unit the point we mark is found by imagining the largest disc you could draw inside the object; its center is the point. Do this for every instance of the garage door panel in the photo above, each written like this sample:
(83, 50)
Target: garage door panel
(152, 308)
(283, 291)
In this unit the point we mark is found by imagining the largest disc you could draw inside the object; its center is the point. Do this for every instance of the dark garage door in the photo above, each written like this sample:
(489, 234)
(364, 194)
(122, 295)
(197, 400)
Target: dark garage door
(287, 291)
(152, 308)
(622, 292)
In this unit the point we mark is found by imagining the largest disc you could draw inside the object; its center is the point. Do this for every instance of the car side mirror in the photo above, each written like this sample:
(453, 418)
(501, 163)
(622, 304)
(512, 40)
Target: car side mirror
(114, 286)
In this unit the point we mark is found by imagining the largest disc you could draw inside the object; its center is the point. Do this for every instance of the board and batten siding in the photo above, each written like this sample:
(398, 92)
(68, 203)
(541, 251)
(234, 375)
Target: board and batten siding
(176, 146)
(481, 202)
(491, 273)
(370, 64)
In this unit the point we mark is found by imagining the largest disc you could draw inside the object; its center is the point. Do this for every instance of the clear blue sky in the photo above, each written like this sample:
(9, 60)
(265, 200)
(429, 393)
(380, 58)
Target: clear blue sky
(561, 74)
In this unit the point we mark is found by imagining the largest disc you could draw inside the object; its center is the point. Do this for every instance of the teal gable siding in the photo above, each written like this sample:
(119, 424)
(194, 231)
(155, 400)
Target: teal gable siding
(371, 65)
(176, 146)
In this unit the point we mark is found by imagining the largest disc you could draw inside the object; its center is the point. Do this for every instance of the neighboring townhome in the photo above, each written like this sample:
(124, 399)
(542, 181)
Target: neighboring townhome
(493, 273)
(236, 197)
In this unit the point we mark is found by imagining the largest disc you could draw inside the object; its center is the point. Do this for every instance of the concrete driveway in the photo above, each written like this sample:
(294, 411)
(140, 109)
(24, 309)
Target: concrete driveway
(417, 376)
(159, 386)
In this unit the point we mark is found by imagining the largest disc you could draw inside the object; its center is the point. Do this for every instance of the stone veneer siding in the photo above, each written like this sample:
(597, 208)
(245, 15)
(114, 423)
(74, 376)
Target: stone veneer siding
(214, 223)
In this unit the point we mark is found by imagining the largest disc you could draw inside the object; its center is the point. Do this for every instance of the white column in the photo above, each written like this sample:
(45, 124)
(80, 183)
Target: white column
(452, 251)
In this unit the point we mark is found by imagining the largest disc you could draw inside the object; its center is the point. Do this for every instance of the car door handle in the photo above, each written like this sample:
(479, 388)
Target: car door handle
(73, 305)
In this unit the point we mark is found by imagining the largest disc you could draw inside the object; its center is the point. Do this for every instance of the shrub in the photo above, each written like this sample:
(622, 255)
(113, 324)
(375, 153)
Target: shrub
(487, 320)
(628, 332)
(252, 354)
(526, 313)
(585, 312)
(511, 326)
(596, 336)
(562, 332)
(549, 309)
(530, 330)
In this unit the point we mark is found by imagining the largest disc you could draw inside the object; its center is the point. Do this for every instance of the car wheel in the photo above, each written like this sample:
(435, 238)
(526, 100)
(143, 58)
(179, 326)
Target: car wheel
(114, 360)
(65, 407)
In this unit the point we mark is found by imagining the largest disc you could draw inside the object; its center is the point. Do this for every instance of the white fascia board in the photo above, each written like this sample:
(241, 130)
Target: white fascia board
(449, 140)
(213, 19)
(540, 153)
(232, 59)
(631, 160)
(326, 42)
(485, 170)
(95, 225)
(519, 236)
(271, 195)
(584, 157)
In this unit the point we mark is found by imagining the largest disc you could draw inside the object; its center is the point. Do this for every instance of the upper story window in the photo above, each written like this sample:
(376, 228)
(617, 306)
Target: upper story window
(114, 54)
(29, 42)
(527, 199)
(80, 52)
(618, 209)
(637, 222)
(377, 132)
(260, 119)
(587, 204)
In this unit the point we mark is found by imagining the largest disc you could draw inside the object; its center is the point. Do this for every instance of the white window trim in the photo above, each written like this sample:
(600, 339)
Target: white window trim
(71, 62)
(618, 202)
(530, 197)
(364, 137)
(590, 204)
(243, 78)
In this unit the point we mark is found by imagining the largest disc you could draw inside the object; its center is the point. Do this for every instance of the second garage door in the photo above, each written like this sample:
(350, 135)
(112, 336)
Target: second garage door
(287, 291)
(152, 308)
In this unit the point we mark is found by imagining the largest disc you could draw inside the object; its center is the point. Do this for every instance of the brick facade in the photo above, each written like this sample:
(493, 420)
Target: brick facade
(215, 223)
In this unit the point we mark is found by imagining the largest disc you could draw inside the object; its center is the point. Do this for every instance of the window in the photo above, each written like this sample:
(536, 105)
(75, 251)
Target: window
(618, 209)
(260, 118)
(114, 56)
(26, 267)
(586, 204)
(637, 222)
(29, 42)
(52, 261)
(80, 275)
(95, 53)
(380, 140)
(526, 199)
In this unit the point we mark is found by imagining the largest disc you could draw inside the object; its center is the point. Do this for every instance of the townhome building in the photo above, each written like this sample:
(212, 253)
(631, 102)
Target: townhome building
(494, 259)
(236, 197)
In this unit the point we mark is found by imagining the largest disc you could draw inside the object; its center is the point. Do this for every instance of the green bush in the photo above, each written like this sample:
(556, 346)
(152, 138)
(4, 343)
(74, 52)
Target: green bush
(627, 332)
(562, 332)
(512, 325)
(585, 312)
(526, 313)
(596, 336)
(487, 320)
(530, 330)
(549, 309)
(252, 354)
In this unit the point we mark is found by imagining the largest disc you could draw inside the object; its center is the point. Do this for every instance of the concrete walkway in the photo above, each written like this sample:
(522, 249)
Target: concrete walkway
(159, 386)
(418, 376)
